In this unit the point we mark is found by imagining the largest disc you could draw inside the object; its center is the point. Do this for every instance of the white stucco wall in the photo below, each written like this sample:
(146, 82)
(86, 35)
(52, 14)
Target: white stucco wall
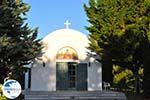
(94, 77)
(44, 78)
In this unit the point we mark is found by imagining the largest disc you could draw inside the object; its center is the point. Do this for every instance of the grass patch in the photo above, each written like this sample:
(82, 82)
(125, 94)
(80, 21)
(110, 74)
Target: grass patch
(3, 98)
(135, 96)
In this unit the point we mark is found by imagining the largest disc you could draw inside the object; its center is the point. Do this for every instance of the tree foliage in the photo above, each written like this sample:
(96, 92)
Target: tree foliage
(120, 29)
(18, 43)
(124, 79)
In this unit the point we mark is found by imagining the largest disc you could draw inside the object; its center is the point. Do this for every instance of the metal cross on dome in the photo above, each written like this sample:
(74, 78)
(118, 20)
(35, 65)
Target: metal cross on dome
(67, 24)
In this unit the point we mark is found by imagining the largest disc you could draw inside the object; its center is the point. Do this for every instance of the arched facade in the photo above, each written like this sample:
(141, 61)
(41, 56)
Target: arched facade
(67, 65)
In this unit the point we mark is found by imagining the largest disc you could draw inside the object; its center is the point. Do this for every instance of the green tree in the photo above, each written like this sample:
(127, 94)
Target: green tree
(120, 31)
(96, 23)
(18, 43)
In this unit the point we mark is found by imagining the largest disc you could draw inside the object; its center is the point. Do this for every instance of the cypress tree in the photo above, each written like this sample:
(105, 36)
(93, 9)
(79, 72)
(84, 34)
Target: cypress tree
(120, 33)
(18, 43)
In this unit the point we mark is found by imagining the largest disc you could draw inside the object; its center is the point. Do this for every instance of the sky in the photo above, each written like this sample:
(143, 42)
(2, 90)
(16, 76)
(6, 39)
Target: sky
(50, 15)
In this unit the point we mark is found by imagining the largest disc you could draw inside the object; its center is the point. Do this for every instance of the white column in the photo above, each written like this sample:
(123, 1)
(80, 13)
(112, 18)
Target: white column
(26, 80)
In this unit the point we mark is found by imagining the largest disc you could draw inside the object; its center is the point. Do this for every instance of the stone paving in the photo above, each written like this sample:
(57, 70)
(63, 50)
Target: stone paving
(74, 95)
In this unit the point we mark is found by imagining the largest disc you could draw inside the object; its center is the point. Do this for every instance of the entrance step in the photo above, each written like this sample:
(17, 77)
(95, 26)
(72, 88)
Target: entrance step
(74, 95)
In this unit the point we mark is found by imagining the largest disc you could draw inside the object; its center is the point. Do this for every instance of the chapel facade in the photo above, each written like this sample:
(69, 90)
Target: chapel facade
(65, 64)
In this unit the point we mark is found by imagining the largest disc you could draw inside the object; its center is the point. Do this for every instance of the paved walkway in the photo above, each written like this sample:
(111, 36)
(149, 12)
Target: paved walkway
(74, 95)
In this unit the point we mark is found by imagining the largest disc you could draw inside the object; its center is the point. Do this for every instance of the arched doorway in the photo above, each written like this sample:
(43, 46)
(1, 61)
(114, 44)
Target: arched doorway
(70, 75)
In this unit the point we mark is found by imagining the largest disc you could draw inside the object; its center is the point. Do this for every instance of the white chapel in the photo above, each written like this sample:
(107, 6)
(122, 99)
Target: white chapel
(65, 64)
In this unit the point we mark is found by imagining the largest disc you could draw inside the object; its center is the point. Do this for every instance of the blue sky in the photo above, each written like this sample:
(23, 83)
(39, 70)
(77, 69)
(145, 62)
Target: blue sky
(50, 15)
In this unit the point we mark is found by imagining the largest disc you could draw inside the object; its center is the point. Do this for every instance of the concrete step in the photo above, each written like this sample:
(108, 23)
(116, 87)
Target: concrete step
(74, 95)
